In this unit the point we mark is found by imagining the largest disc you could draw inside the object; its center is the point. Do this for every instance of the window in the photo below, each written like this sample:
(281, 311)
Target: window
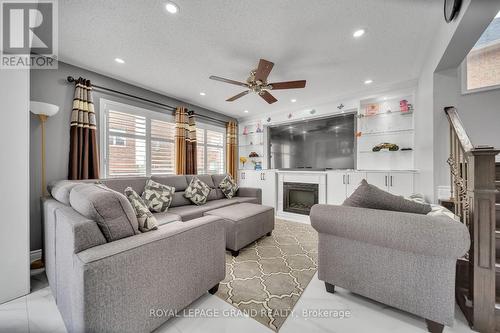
(137, 142)
(481, 70)
(210, 144)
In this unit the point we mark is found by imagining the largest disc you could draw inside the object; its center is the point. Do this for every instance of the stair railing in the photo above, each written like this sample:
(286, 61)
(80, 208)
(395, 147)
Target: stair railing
(472, 172)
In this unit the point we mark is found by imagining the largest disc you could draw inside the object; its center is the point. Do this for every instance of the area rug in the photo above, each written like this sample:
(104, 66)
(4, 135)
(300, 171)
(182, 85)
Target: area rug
(269, 276)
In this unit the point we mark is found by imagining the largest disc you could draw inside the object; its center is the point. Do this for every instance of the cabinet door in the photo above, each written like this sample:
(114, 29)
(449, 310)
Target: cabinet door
(353, 181)
(379, 179)
(268, 186)
(336, 183)
(401, 183)
(249, 178)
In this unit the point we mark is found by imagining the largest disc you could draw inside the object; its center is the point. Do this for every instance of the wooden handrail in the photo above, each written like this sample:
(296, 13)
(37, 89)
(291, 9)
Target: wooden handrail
(472, 170)
(458, 128)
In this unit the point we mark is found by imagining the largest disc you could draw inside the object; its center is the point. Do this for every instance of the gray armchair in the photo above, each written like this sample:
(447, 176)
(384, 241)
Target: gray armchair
(403, 260)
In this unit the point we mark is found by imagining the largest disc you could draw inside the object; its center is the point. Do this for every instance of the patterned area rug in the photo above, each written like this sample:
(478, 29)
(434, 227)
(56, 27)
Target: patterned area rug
(268, 277)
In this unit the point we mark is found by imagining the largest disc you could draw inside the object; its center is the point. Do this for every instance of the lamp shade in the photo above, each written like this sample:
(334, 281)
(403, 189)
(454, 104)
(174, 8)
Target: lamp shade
(45, 109)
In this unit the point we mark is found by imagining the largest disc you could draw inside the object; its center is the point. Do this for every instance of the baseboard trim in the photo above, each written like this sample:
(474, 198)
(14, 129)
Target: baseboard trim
(35, 255)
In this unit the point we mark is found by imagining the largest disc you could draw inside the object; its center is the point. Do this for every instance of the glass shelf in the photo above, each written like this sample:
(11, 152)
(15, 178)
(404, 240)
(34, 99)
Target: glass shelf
(362, 116)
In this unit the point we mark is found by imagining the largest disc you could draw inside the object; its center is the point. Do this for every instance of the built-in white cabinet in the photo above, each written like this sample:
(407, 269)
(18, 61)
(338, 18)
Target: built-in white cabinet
(341, 184)
(396, 182)
(263, 179)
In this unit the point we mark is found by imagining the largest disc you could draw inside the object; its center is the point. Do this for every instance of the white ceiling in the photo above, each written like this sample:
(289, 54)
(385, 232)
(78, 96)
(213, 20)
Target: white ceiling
(306, 39)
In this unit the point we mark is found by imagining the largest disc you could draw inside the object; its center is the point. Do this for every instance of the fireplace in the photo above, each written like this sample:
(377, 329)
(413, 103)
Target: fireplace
(298, 198)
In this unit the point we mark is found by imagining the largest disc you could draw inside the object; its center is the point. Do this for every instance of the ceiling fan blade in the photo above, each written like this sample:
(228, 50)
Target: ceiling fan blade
(237, 96)
(268, 97)
(263, 70)
(288, 85)
(221, 79)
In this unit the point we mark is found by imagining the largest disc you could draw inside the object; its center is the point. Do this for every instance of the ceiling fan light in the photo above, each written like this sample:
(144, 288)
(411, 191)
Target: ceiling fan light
(172, 8)
(358, 33)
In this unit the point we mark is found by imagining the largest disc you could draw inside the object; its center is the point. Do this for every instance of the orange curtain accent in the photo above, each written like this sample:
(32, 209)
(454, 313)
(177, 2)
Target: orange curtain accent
(232, 149)
(185, 142)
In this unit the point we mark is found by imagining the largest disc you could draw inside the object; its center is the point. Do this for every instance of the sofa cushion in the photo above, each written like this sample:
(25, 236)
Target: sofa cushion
(178, 181)
(253, 200)
(60, 190)
(157, 197)
(228, 186)
(217, 179)
(370, 196)
(166, 217)
(180, 200)
(207, 179)
(120, 184)
(111, 210)
(197, 191)
(146, 220)
(189, 212)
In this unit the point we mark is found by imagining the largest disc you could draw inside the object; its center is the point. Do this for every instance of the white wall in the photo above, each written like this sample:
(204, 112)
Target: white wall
(14, 180)
(451, 44)
(479, 112)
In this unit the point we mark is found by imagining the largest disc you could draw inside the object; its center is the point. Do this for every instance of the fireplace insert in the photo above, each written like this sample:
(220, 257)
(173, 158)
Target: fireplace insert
(298, 198)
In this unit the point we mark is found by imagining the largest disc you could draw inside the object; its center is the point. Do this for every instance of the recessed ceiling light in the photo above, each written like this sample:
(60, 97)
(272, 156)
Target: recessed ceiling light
(203, 94)
(368, 81)
(120, 60)
(304, 132)
(385, 98)
(358, 33)
(246, 111)
(172, 8)
(293, 100)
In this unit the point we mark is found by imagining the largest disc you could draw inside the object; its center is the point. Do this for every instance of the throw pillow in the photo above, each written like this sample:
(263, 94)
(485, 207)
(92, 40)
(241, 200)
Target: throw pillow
(146, 220)
(228, 186)
(370, 196)
(157, 197)
(197, 191)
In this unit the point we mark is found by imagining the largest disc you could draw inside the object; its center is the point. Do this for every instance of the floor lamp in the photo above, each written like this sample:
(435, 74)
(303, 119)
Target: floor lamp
(44, 111)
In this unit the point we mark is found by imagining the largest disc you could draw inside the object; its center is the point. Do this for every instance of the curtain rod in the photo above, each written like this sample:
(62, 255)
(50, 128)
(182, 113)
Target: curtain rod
(71, 79)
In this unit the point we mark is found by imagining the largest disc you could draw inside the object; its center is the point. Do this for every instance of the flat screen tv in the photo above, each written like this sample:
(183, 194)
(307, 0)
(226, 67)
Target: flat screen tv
(325, 143)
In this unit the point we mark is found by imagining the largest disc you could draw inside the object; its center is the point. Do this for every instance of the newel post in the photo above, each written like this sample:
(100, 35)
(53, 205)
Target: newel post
(481, 196)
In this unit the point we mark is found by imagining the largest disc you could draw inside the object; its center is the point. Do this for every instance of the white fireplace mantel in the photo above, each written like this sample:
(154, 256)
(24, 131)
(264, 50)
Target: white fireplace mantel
(308, 177)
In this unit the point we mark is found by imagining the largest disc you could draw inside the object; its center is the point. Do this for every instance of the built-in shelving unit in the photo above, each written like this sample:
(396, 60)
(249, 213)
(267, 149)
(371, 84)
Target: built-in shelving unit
(388, 124)
(251, 140)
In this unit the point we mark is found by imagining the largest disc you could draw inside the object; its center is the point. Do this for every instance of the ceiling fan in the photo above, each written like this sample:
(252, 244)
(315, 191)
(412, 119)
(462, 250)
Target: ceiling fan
(257, 82)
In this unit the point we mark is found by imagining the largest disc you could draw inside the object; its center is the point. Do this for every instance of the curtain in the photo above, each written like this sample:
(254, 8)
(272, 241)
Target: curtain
(232, 149)
(83, 151)
(185, 142)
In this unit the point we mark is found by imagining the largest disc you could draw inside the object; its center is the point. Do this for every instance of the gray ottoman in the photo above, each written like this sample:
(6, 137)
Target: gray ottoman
(244, 223)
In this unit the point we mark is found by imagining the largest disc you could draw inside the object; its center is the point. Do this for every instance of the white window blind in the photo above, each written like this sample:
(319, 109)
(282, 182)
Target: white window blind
(211, 143)
(138, 142)
(129, 157)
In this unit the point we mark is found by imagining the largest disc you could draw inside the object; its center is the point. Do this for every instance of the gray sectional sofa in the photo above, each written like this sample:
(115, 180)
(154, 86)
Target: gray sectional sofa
(126, 285)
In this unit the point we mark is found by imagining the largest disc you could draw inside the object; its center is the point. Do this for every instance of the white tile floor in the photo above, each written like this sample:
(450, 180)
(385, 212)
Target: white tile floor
(37, 312)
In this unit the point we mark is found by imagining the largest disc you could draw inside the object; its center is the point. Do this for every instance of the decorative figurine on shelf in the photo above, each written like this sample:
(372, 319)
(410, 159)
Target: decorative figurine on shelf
(386, 145)
(243, 160)
(410, 107)
(403, 105)
(245, 130)
(268, 119)
(371, 109)
(289, 116)
(253, 154)
(259, 127)
(258, 166)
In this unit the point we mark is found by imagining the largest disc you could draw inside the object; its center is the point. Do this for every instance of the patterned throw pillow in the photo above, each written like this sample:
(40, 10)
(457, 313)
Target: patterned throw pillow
(197, 191)
(157, 197)
(228, 186)
(146, 220)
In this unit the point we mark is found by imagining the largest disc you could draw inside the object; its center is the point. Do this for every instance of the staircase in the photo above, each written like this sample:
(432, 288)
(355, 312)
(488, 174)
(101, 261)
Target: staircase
(475, 178)
(497, 246)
